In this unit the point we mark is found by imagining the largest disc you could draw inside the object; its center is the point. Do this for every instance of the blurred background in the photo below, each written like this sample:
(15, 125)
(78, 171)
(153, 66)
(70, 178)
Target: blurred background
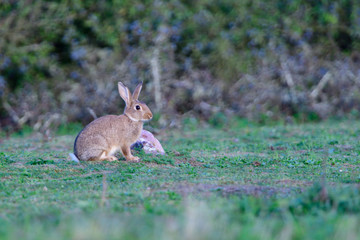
(204, 60)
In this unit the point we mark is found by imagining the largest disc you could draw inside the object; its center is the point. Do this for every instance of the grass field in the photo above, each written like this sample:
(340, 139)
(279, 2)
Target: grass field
(245, 182)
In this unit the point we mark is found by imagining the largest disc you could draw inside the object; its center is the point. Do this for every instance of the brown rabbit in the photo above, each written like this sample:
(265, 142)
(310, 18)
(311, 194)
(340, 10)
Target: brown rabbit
(101, 138)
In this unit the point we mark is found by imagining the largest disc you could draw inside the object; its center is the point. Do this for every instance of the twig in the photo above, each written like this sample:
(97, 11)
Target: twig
(155, 65)
(50, 120)
(92, 112)
(11, 112)
(20, 121)
(287, 74)
(289, 80)
(155, 69)
(104, 188)
(353, 77)
(24, 119)
(315, 93)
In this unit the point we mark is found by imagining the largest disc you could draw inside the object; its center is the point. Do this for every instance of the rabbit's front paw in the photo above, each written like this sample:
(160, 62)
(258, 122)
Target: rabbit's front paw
(133, 159)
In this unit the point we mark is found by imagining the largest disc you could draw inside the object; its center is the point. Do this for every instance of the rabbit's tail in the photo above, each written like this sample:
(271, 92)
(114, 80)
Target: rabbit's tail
(73, 157)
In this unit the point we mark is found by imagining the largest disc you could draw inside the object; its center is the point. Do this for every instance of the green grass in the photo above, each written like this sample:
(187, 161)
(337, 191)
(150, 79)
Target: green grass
(248, 182)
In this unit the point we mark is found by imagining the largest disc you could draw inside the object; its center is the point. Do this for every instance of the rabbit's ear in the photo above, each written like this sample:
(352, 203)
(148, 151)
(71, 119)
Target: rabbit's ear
(137, 91)
(124, 93)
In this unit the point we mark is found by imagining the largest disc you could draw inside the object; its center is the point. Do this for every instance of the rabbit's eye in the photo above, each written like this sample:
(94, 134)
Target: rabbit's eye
(137, 107)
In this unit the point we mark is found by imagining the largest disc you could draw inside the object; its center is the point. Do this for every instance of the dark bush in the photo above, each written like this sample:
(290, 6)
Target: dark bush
(275, 59)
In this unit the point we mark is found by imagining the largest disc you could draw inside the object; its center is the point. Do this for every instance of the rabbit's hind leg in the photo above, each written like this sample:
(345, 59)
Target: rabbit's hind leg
(104, 156)
(98, 155)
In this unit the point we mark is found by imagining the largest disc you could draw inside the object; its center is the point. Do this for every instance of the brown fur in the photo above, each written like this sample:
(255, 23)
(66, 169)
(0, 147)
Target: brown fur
(101, 138)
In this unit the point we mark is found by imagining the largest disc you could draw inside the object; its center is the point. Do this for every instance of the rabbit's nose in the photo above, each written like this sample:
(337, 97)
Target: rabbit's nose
(149, 116)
